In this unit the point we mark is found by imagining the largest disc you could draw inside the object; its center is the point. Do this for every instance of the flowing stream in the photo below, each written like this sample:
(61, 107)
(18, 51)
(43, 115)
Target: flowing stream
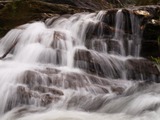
(77, 68)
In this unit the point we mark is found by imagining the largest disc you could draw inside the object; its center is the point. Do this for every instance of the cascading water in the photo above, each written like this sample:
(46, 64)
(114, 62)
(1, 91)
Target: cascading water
(76, 68)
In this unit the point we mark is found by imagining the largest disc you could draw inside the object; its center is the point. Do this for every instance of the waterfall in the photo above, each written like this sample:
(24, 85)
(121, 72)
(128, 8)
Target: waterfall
(77, 67)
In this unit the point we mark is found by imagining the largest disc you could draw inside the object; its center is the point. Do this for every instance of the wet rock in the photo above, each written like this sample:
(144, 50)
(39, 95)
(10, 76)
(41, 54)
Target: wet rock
(83, 55)
(76, 81)
(98, 45)
(96, 63)
(59, 40)
(25, 96)
(59, 35)
(138, 87)
(44, 80)
(113, 46)
(127, 21)
(53, 56)
(31, 93)
(109, 17)
(94, 103)
(150, 48)
(150, 45)
(37, 77)
(47, 99)
(52, 90)
(69, 81)
(31, 78)
(51, 20)
(98, 89)
(106, 45)
(98, 30)
(49, 71)
(21, 96)
(75, 100)
(151, 30)
(86, 102)
(118, 90)
(98, 80)
(142, 65)
(84, 60)
(142, 69)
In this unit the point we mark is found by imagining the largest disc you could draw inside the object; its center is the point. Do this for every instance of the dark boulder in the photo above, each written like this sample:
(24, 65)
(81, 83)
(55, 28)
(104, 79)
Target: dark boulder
(97, 30)
(24, 11)
(51, 20)
(142, 66)
(31, 78)
(100, 64)
(150, 48)
(106, 45)
(152, 30)
(150, 25)
(59, 40)
(142, 69)
(51, 90)
(90, 4)
(109, 17)
(47, 99)
(118, 90)
(150, 43)
(107, 66)
(113, 46)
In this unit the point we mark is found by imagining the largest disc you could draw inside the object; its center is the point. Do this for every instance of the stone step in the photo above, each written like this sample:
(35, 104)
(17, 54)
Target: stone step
(43, 87)
(106, 65)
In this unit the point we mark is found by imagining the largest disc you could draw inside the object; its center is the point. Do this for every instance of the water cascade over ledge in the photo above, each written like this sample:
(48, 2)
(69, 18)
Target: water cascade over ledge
(78, 67)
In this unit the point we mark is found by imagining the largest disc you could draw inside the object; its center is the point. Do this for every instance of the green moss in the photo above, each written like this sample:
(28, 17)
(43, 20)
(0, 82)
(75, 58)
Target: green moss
(156, 60)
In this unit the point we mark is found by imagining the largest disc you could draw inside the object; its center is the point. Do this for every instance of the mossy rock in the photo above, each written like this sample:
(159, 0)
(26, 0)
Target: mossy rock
(22, 11)
(87, 4)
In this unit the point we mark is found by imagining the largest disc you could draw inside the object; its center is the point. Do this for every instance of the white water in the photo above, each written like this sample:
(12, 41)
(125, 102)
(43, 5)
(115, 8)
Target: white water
(45, 57)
